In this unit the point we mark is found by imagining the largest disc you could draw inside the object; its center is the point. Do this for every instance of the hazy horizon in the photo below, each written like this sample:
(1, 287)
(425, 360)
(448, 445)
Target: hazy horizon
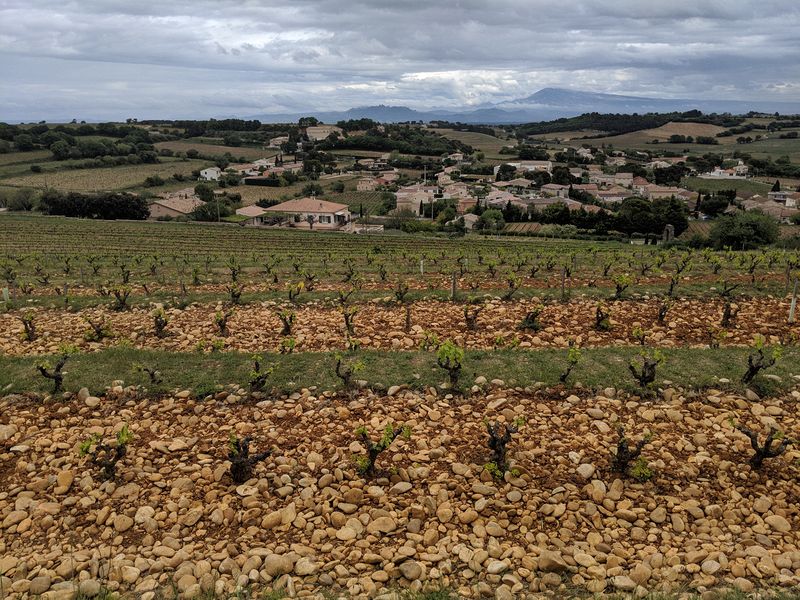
(109, 60)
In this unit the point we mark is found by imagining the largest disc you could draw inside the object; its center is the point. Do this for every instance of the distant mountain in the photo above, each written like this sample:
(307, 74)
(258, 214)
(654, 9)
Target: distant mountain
(545, 105)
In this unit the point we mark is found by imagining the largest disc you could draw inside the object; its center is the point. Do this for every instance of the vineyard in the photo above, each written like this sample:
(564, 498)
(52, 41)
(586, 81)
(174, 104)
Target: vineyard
(104, 178)
(212, 409)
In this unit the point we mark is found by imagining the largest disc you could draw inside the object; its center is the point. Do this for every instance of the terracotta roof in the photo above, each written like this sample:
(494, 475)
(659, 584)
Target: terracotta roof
(180, 204)
(308, 205)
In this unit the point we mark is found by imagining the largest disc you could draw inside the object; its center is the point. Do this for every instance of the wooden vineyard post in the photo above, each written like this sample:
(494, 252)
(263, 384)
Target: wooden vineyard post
(422, 267)
(454, 287)
(793, 306)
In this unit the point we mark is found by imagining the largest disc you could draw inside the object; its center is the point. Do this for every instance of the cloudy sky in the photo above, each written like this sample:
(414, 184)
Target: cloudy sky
(112, 59)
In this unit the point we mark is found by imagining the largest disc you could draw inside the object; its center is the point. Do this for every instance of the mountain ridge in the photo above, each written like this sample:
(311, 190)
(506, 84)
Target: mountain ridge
(544, 105)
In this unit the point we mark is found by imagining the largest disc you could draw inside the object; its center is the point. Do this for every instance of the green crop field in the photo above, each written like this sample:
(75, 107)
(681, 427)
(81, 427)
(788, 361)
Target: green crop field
(714, 185)
(218, 149)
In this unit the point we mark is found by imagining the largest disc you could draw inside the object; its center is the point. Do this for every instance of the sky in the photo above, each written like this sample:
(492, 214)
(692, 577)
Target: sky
(114, 59)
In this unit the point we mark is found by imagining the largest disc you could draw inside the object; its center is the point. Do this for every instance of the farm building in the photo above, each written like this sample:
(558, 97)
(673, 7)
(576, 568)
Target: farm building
(254, 214)
(210, 174)
(175, 205)
(321, 213)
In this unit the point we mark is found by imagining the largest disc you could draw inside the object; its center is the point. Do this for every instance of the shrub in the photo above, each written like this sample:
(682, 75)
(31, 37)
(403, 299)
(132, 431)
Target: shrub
(768, 449)
(221, 321)
(29, 327)
(121, 294)
(241, 462)
(160, 322)
(623, 457)
(531, 320)
(153, 373)
(451, 358)
(366, 464)
(621, 283)
(471, 316)
(573, 357)
(602, 320)
(258, 378)
(346, 371)
(757, 361)
(287, 318)
(499, 437)
(513, 281)
(54, 373)
(97, 331)
(646, 375)
(349, 314)
(104, 455)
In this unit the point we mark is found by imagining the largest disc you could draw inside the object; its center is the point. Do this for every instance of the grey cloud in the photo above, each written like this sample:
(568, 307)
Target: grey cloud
(204, 58)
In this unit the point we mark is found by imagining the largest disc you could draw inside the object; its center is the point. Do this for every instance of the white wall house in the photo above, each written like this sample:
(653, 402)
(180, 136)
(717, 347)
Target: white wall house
(210, 174)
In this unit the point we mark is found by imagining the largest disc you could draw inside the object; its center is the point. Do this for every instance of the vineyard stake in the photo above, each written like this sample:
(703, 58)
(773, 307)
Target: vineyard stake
(794, 302)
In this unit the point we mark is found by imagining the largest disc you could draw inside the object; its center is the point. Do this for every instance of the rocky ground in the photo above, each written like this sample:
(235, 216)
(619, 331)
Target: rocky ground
(558, 521)
(380, 324)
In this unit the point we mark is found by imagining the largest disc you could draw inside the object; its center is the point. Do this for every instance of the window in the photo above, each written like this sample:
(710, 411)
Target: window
(324, 219)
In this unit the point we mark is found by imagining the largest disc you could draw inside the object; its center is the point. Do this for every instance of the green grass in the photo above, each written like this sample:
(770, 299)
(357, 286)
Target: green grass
(205, 372)
(488, 144)
(715, 185)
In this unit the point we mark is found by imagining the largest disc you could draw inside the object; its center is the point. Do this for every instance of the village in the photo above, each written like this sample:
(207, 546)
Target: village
(459, 188)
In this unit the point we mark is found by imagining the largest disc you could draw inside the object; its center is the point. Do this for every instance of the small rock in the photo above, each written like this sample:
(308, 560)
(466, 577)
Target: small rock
(585, 470)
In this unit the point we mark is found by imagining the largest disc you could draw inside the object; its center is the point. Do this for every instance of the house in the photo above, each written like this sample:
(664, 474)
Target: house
(175, 205)
(779, 197)
(254, 214)
(312, 213)
(655, 192)
(444, 178)
(366, 184)
(456, 157)
(624, 179)
(210, 174)
(456, 190)
(414, 201)
(466, 203)
(772, 208)
(470, 220)
(528, 165)
(793, 200)
(500, 199)
(277, 141)
(616, 161)
(555, 189)
(320, 132)
(640, 185)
